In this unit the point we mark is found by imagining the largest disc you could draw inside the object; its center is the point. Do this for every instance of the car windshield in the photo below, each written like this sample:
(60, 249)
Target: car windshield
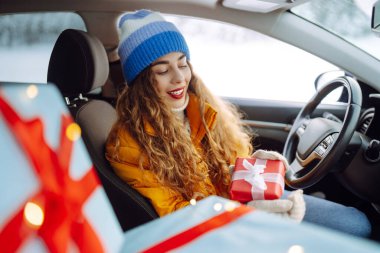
(348, 19)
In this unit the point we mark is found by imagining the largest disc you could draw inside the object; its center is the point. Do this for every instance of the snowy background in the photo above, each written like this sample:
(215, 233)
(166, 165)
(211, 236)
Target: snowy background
(231, 60)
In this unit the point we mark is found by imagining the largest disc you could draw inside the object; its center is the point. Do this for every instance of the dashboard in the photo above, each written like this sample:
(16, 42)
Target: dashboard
(361, 161)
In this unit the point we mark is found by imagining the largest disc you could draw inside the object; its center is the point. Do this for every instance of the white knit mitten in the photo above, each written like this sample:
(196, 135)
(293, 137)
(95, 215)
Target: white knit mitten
(270, 155)
(293, 207)
(299, 207)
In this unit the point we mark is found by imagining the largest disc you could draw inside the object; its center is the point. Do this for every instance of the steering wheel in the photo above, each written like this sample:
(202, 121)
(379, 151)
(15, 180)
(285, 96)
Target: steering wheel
(314, 145)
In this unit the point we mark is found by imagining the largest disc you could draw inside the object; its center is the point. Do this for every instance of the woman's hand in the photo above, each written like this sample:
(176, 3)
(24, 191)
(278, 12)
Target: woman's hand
(293, 207)
(270, 155)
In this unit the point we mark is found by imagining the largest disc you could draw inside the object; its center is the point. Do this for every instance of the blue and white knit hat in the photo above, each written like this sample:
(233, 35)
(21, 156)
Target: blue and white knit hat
(144, 37)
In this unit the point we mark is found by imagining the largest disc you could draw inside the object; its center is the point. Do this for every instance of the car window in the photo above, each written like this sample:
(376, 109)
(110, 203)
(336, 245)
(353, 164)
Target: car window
(237, 62)
(26, 42)
(349, 20)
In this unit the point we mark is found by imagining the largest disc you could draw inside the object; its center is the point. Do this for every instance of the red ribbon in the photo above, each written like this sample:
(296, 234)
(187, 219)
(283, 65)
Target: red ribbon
(60, 197)
(189, 235)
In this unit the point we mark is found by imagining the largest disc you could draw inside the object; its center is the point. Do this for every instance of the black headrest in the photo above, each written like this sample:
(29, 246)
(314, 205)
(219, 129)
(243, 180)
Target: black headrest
(78, 63)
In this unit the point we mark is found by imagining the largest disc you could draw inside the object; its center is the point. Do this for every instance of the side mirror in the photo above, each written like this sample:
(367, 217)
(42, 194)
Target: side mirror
(339, 94)
(375, 22)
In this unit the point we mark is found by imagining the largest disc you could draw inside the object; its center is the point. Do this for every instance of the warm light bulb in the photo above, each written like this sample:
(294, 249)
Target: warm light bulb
(296, 249)
(32, 91)
(218, 207)
(73, 132)
(193, 202)
(33, 214)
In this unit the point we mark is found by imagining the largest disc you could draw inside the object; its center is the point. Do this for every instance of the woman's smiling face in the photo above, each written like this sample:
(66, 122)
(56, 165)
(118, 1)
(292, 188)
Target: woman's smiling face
(172, 74)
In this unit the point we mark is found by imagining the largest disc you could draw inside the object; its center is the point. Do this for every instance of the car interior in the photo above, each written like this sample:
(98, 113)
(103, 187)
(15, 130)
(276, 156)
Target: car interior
(85, 68)
(79, 65)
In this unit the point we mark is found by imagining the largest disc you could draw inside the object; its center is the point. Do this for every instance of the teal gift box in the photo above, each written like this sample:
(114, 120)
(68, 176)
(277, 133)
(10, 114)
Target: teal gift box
(216, 224)
(52, 200)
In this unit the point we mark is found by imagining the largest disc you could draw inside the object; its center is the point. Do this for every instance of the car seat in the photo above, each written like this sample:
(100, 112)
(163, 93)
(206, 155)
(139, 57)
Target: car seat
(79, 67)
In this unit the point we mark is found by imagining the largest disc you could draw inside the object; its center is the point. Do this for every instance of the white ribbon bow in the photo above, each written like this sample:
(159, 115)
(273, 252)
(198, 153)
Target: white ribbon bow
(257, 177)
(253, 174)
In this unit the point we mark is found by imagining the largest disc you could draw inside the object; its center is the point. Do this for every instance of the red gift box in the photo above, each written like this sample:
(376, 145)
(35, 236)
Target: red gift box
(255, 179)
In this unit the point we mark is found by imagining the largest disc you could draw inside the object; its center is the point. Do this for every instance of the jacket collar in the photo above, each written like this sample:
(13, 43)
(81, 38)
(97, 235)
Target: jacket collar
(198, 130)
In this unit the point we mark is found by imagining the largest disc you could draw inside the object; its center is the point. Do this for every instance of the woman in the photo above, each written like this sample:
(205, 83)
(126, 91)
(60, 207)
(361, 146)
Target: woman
(174, 140)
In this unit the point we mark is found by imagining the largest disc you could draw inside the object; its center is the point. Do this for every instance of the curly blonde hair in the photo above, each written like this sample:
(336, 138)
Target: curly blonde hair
(170, 153)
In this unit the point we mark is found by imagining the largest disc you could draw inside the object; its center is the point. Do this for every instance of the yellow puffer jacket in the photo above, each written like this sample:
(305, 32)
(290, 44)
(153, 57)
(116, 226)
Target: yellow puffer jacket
(163, 199)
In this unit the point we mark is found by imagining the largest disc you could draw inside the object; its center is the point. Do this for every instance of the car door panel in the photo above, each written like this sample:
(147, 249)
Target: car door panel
(271, 120)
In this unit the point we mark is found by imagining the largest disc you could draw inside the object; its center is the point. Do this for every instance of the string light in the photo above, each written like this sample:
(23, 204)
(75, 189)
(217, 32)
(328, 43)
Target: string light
(193, 202)
(32, 91)
(33, 214)
(230, 206)
(218, 207)
(296, 249)
(73, 132)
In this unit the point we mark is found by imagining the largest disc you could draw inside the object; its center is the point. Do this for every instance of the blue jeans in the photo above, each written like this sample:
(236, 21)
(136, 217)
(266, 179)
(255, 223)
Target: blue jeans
(335, 216)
